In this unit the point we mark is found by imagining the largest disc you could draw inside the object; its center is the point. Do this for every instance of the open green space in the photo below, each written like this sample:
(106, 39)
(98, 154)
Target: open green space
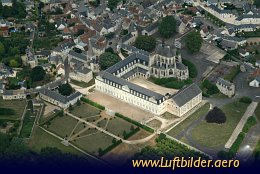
(83, 84)
(28, 120)
(85, 111)
(214, 135)
(93, 142)
(119, 127)
(17, 106)
(41, 139)
(62, 126)
(257, 151)
(193, 117)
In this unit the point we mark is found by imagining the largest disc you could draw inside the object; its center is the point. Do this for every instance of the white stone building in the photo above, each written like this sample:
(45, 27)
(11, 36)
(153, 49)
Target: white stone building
(14, 94)
(255, 82)
(225, 87)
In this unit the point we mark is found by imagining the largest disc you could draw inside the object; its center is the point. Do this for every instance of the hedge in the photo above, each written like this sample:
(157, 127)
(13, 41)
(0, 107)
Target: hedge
(135, 122)
(86, 100)
(109, 148)
(251, 121)
(127, 135)
(170, 82)
(193, 72)
(245, 100)
(6, 111)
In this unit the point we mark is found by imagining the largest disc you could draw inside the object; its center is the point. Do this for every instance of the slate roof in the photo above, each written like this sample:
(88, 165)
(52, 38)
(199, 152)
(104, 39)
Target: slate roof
(133, 71)
(152, 26)
(131, 86)
(186, 94)
(241, 17)
(165, 50)
(58, 97)
(223, 82)
(78, 56)
(129, 59)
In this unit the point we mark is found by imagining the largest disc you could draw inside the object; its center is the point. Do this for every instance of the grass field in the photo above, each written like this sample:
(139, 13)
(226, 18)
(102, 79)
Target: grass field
(62, 126)
(216, 135)
(28, 122)
(257, 112)
(93, 142)
(193, 117)
(86, 111)
(17, 105)
(155, 123)
(117, 126)
(41, 139)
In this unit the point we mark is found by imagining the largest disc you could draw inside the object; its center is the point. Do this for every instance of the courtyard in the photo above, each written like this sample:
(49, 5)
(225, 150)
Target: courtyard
(153, 87)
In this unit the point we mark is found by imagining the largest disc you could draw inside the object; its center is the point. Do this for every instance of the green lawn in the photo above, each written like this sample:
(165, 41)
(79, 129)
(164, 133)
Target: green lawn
(92, 143)
(17, 105)
(28, 122)
(117, 126)
(83, 84)
(257, 112)
(62, 126)
(216, 135)
(232, 74)
(41, 139)
(85, 111)
(193, 117)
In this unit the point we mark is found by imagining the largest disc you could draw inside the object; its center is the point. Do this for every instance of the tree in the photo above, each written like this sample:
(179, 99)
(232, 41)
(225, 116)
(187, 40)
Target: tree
(167, 27)
(70, 108)
(65, 89)
(37, 74)
(2, 49)
(108, 59)
(13, 63)
(146, 43)
(193, 41)
(257, 3)
(216, 115)
(112, 4)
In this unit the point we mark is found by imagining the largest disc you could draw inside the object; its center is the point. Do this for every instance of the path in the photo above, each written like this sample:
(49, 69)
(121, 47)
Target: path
(249, 112)
(110, 134)
(245, 152)
(22, 118)
(89, 155)
(82, 90)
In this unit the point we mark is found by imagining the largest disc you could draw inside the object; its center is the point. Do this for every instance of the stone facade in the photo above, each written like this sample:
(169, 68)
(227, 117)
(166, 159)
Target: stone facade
(225, 87)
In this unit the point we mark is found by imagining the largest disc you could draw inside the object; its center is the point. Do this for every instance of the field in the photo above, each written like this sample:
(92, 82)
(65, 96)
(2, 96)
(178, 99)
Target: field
(41, 139)
(156, 124)
(193, 117)
(216, 135)
(17, 105)
(62, 126)
(86, 111)
(93, 142)
(29, 120)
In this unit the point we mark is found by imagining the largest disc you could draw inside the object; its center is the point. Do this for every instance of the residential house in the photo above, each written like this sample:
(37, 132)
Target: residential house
(255, 82)
(151, 29)
(8, 3)
(14, 94)
(225, 87)
(81, 73)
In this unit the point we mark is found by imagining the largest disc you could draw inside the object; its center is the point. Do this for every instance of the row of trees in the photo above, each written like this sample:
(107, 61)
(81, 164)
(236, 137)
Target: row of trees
(17, 10)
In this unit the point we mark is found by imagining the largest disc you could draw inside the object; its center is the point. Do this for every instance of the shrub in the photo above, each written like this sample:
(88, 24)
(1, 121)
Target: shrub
(216, 115)
(6, 111)
(245, 100)
(86, 100)
(135, 122)
(251, 121)
(109, 148)
(193, 72)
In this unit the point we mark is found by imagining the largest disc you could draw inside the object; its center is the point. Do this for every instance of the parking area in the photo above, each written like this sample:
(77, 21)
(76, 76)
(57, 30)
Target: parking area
(153, 87)
(214, 54)
(119, 106)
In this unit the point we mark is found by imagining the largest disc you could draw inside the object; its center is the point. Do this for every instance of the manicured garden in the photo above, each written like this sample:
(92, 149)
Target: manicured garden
(170, 82)
(86, 111)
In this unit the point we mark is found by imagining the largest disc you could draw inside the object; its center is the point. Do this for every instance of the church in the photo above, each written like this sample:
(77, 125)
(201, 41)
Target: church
(164, 62)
